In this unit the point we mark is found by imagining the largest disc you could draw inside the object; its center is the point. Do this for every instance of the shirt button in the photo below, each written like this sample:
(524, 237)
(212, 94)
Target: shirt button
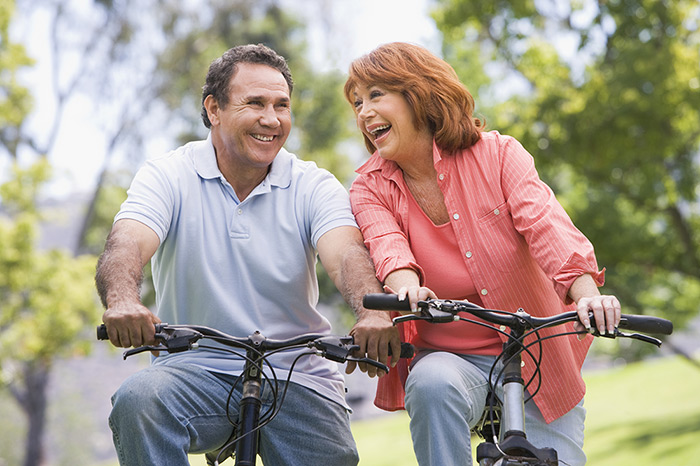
(484, 292)
(455, 216)
(468, 254)
(441, 176)
(240, 211)
(496, 211)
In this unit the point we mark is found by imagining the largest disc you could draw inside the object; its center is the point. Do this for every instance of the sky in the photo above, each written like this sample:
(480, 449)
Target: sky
(357, 27)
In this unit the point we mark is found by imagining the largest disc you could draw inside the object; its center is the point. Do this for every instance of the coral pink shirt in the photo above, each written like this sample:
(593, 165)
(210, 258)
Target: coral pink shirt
(516, 241)
(447, 275)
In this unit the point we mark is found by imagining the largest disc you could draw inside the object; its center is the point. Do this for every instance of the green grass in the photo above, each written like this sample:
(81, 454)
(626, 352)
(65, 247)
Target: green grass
(642, 414)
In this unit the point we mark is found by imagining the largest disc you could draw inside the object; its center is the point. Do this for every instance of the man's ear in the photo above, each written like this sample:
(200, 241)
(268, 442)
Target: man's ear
(212, 107)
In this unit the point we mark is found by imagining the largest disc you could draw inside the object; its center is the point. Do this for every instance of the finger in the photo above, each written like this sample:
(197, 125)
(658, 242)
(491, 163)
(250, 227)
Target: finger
(395, 351)
(372, 353)
(611, 313)
(582, 310)
(363, 367)
(599, 314)
(124, 341)
(413, 298)
(350, 367)
(136, 337)
(388, 289)
(402, 293)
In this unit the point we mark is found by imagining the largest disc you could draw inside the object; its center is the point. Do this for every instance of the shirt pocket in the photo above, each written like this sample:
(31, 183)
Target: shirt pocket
(504, 247)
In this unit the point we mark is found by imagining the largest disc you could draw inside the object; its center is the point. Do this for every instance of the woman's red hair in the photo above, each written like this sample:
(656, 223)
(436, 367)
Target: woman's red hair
(430, 86)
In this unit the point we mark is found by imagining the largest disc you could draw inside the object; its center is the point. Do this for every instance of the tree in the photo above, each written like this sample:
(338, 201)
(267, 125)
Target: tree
(15, 100)
(46, 298)
(609, 92)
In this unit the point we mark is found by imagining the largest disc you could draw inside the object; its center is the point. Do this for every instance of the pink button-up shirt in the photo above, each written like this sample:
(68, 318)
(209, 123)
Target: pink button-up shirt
(518, 243)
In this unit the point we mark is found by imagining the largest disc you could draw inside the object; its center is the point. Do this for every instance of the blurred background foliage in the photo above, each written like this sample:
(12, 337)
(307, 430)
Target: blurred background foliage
(604, 94)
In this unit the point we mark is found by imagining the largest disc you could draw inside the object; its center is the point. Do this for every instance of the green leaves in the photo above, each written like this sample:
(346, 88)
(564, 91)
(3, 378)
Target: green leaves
(46, 296)
(610, 114)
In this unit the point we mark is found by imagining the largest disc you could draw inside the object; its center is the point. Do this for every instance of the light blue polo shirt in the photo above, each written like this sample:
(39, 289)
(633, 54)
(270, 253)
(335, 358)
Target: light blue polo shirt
(240, 266)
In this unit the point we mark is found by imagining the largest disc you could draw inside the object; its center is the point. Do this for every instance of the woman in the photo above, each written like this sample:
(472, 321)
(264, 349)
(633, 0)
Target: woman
(450, 210)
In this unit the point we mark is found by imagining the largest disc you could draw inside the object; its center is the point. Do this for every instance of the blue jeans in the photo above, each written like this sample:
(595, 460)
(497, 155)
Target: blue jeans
(162, 413)
(445, 398)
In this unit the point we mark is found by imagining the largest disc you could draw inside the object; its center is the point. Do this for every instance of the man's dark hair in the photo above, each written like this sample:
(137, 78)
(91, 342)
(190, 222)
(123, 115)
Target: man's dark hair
(223, 68)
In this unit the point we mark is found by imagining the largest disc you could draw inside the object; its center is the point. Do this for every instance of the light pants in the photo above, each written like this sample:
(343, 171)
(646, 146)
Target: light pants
(445, 398)
(162, 413)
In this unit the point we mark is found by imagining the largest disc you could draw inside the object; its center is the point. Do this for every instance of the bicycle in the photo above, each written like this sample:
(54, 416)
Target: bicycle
(502, 425)
(242, 445)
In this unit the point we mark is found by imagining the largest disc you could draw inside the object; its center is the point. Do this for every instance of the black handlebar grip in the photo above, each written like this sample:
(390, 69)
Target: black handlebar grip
(646, 324)
(385, 302)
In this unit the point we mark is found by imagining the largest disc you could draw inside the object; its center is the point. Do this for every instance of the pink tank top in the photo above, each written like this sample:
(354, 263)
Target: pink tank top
(437, 252)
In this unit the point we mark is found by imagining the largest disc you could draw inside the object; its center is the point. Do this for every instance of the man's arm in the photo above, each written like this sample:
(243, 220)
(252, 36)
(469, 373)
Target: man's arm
(129, 247)
(345, 258)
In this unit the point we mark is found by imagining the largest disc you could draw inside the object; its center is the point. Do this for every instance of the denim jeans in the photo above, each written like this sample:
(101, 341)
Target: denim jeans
(445, 398)
(162, 413)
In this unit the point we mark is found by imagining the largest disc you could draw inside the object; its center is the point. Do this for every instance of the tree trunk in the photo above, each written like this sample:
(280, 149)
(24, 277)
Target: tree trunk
(34, 402)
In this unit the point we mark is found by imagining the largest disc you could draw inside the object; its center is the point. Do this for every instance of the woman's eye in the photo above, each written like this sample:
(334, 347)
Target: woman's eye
(374, 94)
(358, 103)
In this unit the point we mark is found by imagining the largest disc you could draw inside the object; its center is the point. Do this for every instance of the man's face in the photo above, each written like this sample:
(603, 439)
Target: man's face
(253, 127)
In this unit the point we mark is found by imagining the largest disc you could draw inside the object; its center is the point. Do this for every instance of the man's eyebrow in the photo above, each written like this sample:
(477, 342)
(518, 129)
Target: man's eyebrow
(252, 97)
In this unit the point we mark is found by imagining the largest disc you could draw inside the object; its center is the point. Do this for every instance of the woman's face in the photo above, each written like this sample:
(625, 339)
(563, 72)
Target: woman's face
(386, 119)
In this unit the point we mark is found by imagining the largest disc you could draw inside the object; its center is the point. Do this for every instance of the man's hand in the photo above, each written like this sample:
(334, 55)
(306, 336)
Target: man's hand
(130, 325)
(374, 333)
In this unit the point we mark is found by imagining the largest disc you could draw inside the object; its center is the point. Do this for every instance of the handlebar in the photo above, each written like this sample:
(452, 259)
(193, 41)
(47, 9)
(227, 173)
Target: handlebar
(438, 310)
(178, 338)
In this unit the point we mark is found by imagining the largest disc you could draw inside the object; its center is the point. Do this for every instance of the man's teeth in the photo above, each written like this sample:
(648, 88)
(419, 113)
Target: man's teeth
(380, 128)
(263, 138)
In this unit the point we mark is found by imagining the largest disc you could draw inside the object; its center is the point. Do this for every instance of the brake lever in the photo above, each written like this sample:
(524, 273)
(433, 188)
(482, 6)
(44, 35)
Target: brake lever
(644, 338)
(143, 349)
(635, 336)
(369, 361)
(172, 340)
(336, 349)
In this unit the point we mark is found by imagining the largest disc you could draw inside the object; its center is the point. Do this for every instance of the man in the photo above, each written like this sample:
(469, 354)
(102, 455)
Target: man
(233, 225)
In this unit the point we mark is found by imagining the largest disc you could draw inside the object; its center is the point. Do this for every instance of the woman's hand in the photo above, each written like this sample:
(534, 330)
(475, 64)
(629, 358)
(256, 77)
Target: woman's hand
(606, 308)
(413, 293)
(606, 311)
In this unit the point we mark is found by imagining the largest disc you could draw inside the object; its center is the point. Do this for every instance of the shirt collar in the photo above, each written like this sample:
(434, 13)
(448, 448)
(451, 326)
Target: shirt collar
(205, 164)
